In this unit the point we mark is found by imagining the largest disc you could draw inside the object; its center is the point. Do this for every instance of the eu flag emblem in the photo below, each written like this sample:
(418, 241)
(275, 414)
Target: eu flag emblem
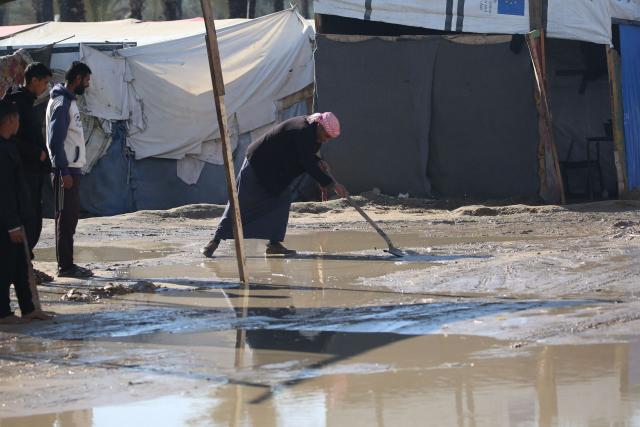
(511, 7)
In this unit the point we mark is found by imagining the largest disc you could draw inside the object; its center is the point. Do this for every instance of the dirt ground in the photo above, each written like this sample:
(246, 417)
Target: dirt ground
(498, 315)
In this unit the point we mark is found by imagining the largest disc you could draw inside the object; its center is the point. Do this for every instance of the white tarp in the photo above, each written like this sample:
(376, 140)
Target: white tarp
(263, 61)
(108, 96)
(122, 31)
(585, 20)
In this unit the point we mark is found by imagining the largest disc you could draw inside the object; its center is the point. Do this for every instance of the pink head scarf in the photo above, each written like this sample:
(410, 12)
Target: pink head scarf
(328, 121)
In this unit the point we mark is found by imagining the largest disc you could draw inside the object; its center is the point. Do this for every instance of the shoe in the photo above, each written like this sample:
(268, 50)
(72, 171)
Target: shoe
(210, 248)
(75, 271)
(278, 249)
(42, 277)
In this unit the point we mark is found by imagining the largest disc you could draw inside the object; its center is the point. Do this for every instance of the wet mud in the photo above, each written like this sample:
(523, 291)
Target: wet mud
(530, 319)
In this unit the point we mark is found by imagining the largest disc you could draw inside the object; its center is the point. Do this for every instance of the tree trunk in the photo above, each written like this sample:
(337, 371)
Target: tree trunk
(43, 10)
(172, 10)
(237, 8)
(72, 11)
(278, 5)
(252, 9)
(304, 8)
(135, 7)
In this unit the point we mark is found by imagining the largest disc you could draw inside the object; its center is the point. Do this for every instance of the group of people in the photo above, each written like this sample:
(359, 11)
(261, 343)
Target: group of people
(28, 159)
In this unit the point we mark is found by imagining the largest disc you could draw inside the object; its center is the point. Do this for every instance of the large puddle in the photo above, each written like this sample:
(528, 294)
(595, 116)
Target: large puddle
(310, 343)
(290, 378)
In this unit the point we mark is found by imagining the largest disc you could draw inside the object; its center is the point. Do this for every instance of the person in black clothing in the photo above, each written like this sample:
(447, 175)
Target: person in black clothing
(15, 213)
(32, 146)
(273, 162)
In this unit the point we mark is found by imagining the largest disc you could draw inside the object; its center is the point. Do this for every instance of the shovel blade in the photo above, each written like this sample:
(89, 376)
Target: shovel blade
(395, 251)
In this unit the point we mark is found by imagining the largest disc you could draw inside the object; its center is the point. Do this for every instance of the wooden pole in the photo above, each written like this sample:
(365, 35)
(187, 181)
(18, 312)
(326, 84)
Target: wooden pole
(33, 286)
(552, 187)
(218, 92)
(617, 119)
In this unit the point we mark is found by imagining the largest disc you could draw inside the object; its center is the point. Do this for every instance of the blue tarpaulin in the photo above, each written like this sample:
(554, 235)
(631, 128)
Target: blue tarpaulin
(630, 53)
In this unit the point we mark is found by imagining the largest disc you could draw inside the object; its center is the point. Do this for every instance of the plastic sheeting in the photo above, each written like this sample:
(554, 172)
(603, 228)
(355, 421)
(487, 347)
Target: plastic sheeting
(630, 54)
(107, 97)
(263, 61)
(122, 31)
(484, 128)
(475, 16)
(567, 19)
(118, 183)
(420, 120)
(384, 109)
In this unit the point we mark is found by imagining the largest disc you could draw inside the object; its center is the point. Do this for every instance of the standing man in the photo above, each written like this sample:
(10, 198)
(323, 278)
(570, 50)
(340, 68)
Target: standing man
(31, 144)
(65, 142)
(15, 213)
(273, 162)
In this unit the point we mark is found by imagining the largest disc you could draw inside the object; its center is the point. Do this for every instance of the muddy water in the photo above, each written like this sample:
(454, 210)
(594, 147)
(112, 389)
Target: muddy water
(347, 379)
(107, 253)
(311, 342)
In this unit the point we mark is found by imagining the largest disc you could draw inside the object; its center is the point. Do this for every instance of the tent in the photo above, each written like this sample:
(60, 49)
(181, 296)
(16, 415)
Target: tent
(150, 124)
(437, 97)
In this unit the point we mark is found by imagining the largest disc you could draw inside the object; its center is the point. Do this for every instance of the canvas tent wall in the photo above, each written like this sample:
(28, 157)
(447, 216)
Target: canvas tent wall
(66, 37)
(150, 118)
(477, 124)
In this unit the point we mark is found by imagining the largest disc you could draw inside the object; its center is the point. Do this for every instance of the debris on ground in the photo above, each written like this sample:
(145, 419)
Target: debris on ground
(111, 289)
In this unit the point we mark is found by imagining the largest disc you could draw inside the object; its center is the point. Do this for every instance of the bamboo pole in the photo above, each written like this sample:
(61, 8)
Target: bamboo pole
(218, 92)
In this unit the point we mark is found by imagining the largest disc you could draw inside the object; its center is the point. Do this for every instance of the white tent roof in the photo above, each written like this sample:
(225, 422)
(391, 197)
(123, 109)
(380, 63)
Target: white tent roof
(165, 91)
(123, 31)
(567, 19)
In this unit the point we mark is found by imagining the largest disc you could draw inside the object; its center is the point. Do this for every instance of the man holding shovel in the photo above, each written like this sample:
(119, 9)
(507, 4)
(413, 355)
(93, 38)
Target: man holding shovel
(273, 162)
(16, 211)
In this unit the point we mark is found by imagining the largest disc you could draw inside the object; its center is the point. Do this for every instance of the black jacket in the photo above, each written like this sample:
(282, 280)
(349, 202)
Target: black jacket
(286, 152)
(32, 142)
(14, 194)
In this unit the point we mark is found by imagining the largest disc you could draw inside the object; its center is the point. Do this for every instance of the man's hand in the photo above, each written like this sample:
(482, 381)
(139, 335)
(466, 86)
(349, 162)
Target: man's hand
(43, 156)
(67, 181)
(340, 190)
(324, 166)
(16, 236)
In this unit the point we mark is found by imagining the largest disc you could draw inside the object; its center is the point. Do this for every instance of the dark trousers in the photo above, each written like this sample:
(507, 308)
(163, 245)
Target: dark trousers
(66, 220)
(264, 215)
(35, 182)
(13, 269)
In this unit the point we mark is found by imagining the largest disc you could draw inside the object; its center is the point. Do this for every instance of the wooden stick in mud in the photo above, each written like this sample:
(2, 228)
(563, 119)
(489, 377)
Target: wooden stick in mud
(35, 296)
(218, 91)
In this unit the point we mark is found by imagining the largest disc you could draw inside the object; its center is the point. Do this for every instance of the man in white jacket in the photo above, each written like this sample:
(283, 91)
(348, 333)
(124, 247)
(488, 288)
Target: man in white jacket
(66, 146)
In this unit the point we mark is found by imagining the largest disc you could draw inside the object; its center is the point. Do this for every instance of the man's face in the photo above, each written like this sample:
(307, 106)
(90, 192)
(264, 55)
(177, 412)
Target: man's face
(83, 84)
(40, 85)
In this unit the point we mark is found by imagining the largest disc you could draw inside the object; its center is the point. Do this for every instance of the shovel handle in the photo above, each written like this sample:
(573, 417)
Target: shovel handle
(370, 221)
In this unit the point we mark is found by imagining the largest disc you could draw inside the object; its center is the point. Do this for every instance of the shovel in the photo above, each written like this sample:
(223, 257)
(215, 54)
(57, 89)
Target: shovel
(392, 249)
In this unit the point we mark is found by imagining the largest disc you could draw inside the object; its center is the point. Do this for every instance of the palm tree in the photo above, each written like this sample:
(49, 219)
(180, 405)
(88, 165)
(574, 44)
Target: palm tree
(136, 7)
(72, 11)
(237, 8)
(43, 10)
(172, 9)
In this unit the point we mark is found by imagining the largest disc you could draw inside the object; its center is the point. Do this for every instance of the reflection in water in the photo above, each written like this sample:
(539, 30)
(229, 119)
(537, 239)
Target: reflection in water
(305, 360)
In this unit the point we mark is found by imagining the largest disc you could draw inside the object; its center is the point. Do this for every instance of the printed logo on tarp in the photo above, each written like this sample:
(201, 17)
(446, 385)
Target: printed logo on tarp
(511, 7)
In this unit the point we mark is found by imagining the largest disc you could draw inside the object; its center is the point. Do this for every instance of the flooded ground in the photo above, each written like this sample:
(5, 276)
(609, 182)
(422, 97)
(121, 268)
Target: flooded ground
(522, 317)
